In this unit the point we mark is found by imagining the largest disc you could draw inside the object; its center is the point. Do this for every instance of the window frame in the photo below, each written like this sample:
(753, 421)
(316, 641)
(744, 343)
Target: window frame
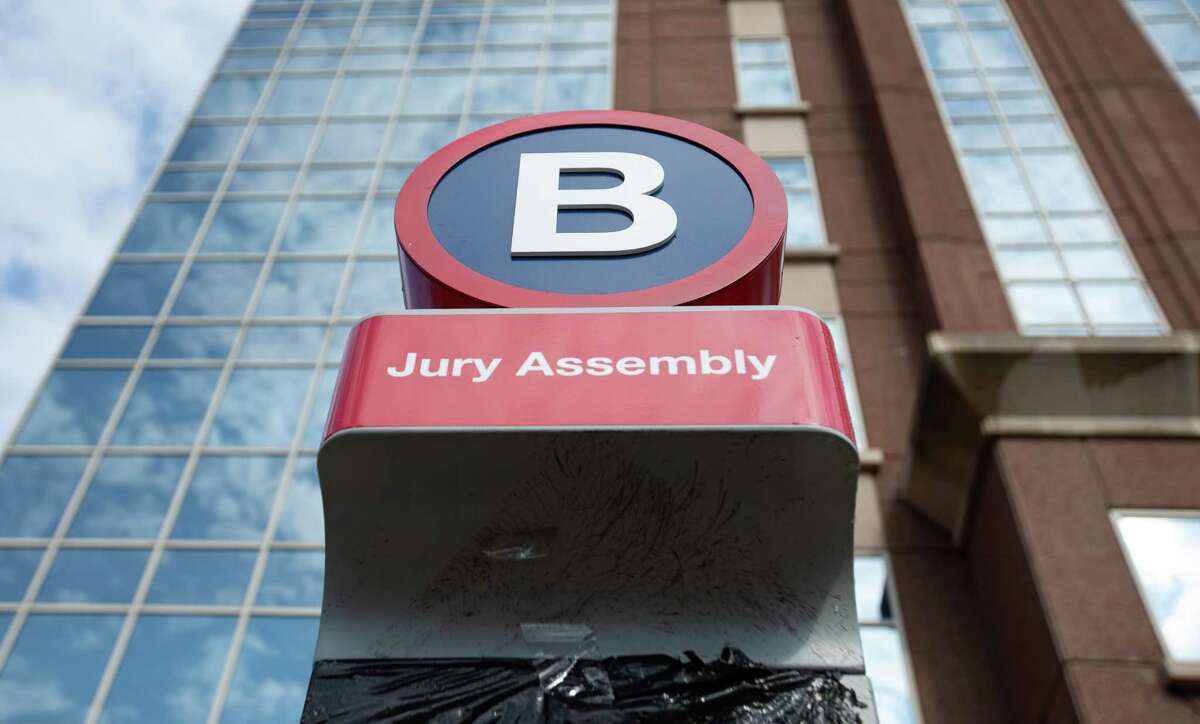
(743, 104)
(1182, 672)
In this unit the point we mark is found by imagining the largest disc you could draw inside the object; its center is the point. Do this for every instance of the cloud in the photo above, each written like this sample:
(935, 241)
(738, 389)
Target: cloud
(93, 93)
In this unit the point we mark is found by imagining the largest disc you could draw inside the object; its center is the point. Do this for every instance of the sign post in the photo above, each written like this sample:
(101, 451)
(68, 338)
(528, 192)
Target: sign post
(559, 494)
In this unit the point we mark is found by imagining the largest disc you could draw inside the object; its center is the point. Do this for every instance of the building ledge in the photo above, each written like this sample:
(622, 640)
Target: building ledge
(828, 253)
(794, 109)
(980, 386)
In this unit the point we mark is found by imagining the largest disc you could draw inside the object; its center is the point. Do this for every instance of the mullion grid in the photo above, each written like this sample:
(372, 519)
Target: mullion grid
(1188, 14)
(96, 453)
(138, 606)
(1003, 119)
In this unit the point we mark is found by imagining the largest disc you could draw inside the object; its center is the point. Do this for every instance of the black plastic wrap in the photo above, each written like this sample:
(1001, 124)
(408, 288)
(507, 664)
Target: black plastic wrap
(619, 689)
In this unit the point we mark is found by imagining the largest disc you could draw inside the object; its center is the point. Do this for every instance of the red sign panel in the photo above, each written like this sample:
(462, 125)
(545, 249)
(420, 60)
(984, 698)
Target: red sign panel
(748, 366)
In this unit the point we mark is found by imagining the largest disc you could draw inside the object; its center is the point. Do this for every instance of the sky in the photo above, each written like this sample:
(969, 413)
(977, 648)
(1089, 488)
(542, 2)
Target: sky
(92, 91)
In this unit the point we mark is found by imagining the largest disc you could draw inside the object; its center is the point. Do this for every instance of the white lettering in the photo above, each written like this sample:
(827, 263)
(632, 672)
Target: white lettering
(631, 366)
(707, 360)
(539, 199)
(485, 370)
(535, 362)
(599, 366)
(672, 364)
(763, 366)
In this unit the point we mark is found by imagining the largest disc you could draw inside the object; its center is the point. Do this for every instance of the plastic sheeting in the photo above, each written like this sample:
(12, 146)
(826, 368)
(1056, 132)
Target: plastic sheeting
(731, 688)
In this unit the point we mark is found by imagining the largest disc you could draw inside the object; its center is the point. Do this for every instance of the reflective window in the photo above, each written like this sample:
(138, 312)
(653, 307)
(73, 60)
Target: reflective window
(231, 96)
(351, 141)
(283, 342)
(266, 180)
(414, 139)
(308, 60)
(136, 288)
(299, 96)
(883, 649)
(394, 176)
(229, 498)
(166, 407)
(193, 341)
(764, 72)
(380, 234)
(805, 227)
(55, 666)
(374, 287)
(338, 178)
(315, 35)
(33, 491)
(303, 518)
(128, 497)
(1048, 227)
(435, 93)
(105, 342)
(16, 568)
(568, 90)
(387, 33)
(73, 407)
(504, 92)
(301, 288)
(378, 59)
(202, 577)
(260, 407)
(94, 576)
(165, 227)
(170, 670)
(1173, 27)
(242, 226)
(325, 225)
(248, 61)
(293, 578)
(337, 345)
(279, 142)
(449, 30)
(366, 95)
(185, 181)
(217, 289)
(1162, 549)
(276, 657)
(207, 143)
(260, 37)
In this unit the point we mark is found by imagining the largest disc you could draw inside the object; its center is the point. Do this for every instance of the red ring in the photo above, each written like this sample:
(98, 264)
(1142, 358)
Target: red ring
(768, 221)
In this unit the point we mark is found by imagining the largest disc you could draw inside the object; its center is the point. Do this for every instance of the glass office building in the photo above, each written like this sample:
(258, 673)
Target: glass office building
(160, 523)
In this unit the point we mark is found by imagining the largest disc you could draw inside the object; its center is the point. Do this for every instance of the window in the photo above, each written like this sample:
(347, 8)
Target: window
(1173, 27)
(260, 407)
(170, 670)
(806, 230)
(371, 95)
(883, 647)
(133, 289)
(765, 78)
(374, 288)
(16, 568)
(165, 227)
(299, 96)
(1064, 265)
(325, 225)
(33, 491)
(231, 97)
(229, 498)
(293, 579)
(1162, 549)
(276, 657)
(188, 181)
(128, 497)
(242, 226)
(216, 578)
(217, 289)
(279, 142)
(193, 341)
(207, 143)
(105, 342)
(301, 288)
(166, 407)
(73, 407)
(351, 141)
(94, 576)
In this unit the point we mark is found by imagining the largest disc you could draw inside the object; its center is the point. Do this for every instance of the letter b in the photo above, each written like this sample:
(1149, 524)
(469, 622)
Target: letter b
(535, 218)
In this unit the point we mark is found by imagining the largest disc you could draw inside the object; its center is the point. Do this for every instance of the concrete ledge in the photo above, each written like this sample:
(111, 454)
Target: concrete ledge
(979, 385)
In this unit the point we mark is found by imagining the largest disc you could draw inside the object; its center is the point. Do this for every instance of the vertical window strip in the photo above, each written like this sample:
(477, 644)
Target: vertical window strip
(806, 226)
(884, 649)
(765, 75)
(1173, 28)
(1065, 266)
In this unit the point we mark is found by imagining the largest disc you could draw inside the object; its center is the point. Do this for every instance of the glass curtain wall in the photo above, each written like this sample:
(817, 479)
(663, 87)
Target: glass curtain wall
(1065, 266)
(1173, 27)
(161, 537)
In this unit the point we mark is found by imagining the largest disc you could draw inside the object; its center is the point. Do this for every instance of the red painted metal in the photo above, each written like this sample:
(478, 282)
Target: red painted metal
(803, 387)
(749, 274)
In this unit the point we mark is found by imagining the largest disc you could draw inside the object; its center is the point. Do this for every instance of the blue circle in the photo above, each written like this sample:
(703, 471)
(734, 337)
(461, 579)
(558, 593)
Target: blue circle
(471, 212)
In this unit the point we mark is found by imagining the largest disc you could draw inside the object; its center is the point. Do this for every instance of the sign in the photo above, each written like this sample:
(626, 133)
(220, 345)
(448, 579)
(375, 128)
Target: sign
(591, 209)
(532, 483)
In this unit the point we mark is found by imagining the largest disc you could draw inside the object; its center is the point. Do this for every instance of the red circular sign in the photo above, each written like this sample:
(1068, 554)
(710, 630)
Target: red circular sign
(748, 273)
